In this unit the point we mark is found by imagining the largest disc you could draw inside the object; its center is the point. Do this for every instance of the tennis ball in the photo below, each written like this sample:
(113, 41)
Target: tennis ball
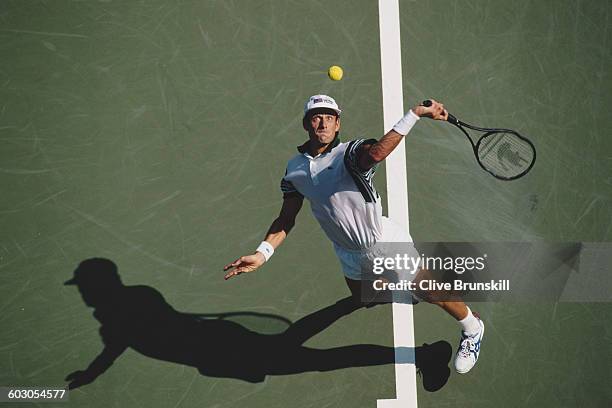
(335, 73)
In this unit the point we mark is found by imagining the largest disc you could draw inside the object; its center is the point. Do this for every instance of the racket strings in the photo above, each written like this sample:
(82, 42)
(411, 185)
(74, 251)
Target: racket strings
(505, 154)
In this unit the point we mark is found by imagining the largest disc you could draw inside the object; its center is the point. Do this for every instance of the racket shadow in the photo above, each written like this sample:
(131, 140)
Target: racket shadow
(138, 317)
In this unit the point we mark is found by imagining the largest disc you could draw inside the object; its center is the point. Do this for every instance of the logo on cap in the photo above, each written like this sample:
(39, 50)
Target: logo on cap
(321, 101)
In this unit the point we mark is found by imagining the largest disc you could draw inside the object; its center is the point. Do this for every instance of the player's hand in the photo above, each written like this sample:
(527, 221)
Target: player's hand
(244, 264)
(436, 111)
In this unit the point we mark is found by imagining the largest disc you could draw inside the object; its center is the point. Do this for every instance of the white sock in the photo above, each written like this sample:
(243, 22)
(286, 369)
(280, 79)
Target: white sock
(469, 324)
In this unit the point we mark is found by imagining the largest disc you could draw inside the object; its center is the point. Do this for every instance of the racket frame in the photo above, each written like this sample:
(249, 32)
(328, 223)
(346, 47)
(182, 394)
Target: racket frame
(489, 131)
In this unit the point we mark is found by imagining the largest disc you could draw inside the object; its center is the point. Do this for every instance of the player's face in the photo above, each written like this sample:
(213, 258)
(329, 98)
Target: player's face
(323, 127)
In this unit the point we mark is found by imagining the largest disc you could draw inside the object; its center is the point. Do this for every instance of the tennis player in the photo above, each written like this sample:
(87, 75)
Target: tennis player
(337, 180)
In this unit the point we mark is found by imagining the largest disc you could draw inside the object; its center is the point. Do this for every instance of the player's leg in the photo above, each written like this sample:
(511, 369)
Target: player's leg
(472, 327)
(472, 332)
(351, 263)
(363, 293)
(458, 310)
(355, 288)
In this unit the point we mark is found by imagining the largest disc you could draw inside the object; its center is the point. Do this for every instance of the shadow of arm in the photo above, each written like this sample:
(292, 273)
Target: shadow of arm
(98, 366)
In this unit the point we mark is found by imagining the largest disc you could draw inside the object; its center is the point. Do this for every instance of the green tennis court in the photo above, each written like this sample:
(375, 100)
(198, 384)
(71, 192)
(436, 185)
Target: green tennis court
(155, 135)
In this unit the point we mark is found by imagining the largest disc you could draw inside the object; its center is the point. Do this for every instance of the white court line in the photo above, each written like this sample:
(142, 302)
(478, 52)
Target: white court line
(397, 197)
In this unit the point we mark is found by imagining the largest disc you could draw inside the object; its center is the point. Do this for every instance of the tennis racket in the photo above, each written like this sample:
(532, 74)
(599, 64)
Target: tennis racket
(503, 153)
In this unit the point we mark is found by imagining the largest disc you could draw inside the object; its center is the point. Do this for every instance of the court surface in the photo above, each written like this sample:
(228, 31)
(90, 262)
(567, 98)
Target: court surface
(155, 134)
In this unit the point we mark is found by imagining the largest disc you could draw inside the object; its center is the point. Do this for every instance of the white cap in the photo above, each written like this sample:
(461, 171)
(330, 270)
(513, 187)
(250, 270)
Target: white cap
(321, 101)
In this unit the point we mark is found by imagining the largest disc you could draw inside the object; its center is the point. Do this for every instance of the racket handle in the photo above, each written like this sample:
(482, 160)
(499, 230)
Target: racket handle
(451, 119)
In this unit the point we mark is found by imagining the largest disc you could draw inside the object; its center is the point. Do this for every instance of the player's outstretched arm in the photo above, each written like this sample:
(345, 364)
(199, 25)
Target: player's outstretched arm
(377, 152)
(277, 233)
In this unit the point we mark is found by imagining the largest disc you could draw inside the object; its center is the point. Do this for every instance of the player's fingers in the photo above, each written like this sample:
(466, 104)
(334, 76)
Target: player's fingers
(235, 263)
(235, 272)
(437, 111)
(230, 274)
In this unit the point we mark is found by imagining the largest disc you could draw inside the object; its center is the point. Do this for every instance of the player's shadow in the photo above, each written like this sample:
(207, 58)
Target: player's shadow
(140, 318)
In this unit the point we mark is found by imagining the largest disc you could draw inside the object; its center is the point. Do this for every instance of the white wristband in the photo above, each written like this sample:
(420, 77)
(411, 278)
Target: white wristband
(266, 249)
(406, 123)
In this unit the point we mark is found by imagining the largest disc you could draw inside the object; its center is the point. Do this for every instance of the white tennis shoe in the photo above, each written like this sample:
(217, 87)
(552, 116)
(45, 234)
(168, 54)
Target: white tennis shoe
(469, 349)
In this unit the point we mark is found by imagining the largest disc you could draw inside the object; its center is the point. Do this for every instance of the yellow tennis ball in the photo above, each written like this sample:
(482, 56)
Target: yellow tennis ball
(335, 73)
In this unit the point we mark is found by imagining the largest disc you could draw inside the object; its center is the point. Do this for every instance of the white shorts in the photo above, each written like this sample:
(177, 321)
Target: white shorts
(359, 263)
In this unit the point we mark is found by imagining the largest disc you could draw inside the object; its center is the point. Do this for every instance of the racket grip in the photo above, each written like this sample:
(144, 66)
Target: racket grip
(426, 103)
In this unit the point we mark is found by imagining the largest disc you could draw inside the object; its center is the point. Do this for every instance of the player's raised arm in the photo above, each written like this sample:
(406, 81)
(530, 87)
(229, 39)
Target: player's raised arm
(377, 152)
(276, 234)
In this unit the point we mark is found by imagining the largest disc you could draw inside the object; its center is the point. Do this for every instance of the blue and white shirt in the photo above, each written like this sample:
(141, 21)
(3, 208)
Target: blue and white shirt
(342, 196)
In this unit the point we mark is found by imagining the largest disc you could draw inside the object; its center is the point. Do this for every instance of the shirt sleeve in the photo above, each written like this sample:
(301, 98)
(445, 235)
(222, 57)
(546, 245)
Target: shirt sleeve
(363, 178)
(288, 189)
(351, 157)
